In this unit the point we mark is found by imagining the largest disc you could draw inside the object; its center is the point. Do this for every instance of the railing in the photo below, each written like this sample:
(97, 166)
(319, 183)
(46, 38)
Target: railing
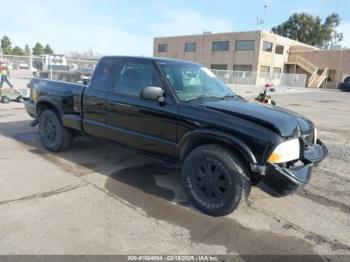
(302, 62)
(318, 80)
(247, 81)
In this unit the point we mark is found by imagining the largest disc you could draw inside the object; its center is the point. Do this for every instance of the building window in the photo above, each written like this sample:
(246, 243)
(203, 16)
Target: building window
(219, 67)
(264, 71)
(190, 47)
(162, 48)
(245, 68)
(279, 49)
(245, 45)
(277, 70)
(221, 45)
(267, 46)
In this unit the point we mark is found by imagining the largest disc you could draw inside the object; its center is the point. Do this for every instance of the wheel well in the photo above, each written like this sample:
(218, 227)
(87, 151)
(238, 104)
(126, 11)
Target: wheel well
(203, 140)
(42, 106)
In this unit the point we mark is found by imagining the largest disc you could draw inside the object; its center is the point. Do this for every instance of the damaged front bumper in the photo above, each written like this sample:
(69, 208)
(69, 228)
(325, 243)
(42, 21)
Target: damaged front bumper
(281, 181)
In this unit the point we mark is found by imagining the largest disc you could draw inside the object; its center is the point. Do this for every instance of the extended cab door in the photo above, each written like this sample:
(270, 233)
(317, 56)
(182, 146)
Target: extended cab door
(94, 99)
(145, 125)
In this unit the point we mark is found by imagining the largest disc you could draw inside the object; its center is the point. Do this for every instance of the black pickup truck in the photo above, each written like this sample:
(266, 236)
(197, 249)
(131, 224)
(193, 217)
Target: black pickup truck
(178, 111)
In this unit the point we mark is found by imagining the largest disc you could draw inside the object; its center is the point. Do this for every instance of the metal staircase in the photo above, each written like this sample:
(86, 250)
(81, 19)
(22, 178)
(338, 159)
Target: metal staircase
(315, 79)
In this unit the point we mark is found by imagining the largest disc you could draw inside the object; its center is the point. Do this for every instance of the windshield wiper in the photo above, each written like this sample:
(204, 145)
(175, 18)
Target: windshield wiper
(201, 98)
(228, 96)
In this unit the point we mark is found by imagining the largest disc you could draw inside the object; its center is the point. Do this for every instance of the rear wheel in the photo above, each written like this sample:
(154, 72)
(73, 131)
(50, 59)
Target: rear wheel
(5, 100)
(54, 135)
(215, 180)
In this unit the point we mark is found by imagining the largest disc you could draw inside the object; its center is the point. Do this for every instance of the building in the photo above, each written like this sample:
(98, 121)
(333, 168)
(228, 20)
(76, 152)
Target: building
(258, 51)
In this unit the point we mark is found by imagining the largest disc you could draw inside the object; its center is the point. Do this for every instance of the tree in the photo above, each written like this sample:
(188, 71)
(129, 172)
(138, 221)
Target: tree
(17, 51)
(310, 30)
(48, 50)
(38, 49)
(27, 50)
(6, 45)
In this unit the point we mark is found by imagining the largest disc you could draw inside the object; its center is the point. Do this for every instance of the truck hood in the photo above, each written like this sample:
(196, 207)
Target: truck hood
(286, 123)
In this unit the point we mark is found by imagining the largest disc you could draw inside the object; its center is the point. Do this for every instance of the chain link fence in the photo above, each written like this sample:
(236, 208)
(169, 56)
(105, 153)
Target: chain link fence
(250, 81)
(239, 81)
(34, 63)
(56, 67)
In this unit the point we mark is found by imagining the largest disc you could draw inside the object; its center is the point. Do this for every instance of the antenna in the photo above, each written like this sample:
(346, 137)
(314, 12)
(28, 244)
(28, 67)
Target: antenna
(260, 22)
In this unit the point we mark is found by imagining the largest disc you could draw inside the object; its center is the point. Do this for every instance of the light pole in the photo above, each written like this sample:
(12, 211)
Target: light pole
(340, 58)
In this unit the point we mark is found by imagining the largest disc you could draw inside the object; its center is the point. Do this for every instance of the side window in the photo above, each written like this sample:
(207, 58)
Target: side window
(133, 76)
(102, 79)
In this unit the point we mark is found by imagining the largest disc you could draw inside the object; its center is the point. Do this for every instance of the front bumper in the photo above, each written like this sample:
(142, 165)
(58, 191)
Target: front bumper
(281, 181)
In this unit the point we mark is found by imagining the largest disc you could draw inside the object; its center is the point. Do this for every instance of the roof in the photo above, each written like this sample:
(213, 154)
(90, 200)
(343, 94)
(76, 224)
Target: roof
(154, 59)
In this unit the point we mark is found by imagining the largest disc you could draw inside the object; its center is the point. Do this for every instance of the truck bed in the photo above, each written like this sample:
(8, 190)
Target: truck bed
(64, 94)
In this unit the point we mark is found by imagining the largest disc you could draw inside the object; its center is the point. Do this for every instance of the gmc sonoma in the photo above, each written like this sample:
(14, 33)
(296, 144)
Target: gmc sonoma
(178, 111)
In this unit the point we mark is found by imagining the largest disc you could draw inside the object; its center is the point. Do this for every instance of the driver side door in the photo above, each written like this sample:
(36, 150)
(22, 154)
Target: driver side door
(145, 125)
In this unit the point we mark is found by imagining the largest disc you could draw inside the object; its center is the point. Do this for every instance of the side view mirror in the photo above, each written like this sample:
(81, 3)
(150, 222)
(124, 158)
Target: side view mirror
(152, 93)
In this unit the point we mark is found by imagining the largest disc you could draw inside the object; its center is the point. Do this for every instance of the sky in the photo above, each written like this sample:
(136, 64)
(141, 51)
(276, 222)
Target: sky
(127, 27)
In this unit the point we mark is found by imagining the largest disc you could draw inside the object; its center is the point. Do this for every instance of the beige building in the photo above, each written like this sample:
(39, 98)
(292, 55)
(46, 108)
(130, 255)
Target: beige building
(258, 51)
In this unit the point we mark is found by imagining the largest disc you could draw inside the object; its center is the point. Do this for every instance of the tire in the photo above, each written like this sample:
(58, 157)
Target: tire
(5, 100)
(54, 135)
(215, 180)
(20, 99)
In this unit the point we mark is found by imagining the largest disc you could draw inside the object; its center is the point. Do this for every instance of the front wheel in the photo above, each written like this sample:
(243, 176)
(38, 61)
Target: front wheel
(54, 135)
(215, 180)
(20, 99)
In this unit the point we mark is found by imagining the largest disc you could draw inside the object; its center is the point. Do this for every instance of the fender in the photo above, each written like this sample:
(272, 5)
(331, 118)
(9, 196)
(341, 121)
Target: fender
(69, 120)
(189, 138)
(50, 100)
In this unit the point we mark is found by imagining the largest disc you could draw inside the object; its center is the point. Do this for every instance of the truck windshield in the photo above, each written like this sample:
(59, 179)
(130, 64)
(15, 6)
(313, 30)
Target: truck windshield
(191, 81)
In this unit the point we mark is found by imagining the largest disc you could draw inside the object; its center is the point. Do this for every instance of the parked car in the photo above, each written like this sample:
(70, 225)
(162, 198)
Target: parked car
(345, 86)
(23, 65)
(178, 111)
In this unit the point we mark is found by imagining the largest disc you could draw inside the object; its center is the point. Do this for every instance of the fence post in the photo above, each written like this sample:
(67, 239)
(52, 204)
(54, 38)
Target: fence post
(31, 62)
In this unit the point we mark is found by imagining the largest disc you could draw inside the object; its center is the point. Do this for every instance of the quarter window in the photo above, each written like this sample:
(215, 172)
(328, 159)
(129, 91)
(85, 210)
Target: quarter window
(162, 48)
(221, 45)
(267, 46)
(134, 76)
(190, 47)
(103, 73)
(243, 45)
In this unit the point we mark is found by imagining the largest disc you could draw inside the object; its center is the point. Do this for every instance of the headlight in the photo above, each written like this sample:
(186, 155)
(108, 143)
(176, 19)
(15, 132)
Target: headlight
(315, 135)
(286, 151)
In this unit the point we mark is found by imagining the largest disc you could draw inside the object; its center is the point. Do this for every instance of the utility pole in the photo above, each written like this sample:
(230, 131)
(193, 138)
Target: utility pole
(339, 65)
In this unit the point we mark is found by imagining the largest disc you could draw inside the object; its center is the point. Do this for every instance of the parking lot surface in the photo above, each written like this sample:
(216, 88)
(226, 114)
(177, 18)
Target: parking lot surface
(100, 199)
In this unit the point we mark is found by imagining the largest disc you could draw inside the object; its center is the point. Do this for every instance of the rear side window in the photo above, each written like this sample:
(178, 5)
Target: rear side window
(134, 76)
(103, 75)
